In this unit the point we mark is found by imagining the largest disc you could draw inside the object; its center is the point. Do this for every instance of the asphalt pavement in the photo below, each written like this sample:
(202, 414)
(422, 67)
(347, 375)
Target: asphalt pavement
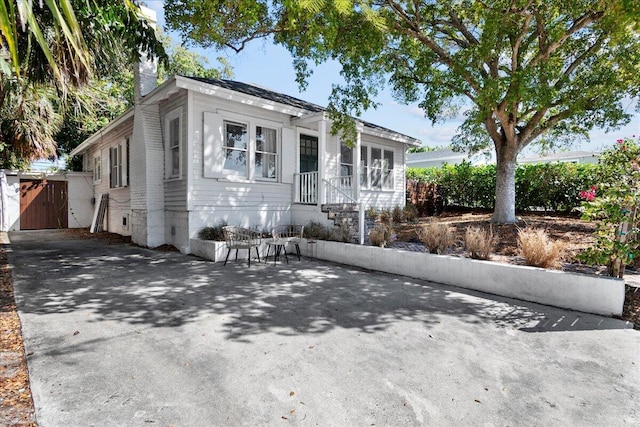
(118, 335)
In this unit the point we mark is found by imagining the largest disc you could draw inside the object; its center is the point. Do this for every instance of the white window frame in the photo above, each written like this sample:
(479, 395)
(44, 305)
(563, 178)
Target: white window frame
(97, 168)
(342, 145)
(251, 124)
(118, 173)
(173, 145)
(225, 147)
(368, 168)
(253, 145)
(115, 166)
(388, 170)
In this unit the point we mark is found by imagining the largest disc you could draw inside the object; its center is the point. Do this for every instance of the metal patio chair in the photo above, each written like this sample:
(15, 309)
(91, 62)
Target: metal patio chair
(241, 238)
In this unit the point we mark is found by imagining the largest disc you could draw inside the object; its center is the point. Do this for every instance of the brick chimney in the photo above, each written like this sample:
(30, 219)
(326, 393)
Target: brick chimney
(145, 72)
(146, 157)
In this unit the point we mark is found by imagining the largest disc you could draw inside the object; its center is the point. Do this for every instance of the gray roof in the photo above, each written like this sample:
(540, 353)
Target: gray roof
(260, 92)
(281, 98)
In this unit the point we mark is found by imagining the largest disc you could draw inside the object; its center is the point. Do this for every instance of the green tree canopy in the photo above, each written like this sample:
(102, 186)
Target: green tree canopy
(532, 70)
(50, 48)
(106, 97)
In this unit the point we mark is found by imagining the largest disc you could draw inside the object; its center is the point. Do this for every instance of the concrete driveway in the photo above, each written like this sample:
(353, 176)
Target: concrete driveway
(119, 335)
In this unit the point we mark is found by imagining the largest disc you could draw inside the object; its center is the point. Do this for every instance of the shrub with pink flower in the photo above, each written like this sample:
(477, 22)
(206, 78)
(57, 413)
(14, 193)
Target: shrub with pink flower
(615, 209)
(589, 195)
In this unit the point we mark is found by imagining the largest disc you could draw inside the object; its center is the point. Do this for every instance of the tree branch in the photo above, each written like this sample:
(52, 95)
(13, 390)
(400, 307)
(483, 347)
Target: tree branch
(577, 62)
(546, 50)
(415, 31)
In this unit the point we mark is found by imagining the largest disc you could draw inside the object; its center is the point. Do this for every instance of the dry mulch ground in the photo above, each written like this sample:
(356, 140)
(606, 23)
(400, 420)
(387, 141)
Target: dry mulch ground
(574, 232)
(16, 403)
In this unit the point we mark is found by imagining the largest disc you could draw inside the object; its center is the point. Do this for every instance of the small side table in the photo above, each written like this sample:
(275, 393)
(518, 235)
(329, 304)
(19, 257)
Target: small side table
(279, 245)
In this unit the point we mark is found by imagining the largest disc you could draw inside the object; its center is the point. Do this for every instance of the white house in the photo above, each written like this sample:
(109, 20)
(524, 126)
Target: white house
(194, 152)
(438, 158)
(581, 157)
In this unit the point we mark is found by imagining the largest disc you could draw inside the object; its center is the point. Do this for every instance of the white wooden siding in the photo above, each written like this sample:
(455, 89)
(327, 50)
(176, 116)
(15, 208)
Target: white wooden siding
(175, 190)
(237, 201)
(119, 198)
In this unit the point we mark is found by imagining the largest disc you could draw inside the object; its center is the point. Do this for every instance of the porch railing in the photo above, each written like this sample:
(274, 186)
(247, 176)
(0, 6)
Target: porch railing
(306, 187)
(340, 189)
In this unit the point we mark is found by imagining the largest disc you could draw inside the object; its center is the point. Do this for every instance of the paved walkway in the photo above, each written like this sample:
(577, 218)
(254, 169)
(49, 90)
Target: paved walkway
(119, 335)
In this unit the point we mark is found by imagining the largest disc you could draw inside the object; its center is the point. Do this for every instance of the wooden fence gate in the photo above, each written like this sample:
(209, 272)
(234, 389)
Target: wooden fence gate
(43, 204)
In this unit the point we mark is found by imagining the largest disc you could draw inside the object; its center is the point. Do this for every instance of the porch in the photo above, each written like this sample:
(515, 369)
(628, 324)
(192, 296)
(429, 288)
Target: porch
(337, 197)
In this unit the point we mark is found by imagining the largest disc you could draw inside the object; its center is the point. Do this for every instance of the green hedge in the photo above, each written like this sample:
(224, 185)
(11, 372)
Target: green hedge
(550, 186)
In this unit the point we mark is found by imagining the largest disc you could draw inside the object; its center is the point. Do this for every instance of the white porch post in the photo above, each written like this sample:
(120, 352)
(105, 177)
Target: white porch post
(322, 155)
(356, 166)
(356, 180)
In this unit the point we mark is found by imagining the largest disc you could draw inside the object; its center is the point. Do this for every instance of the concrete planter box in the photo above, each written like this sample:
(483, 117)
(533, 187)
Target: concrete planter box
(591, 294)
(216, 251)
(212, 250)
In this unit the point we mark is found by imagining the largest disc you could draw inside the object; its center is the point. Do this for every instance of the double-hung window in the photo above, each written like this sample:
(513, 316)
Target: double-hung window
(235, 148)
(173, 144)
(119, 165)
(376, 168)
(346, 160)
(250, 154)
(266, 157)
(97, 169)
(387, 170)
(241, 148)
(364, 166)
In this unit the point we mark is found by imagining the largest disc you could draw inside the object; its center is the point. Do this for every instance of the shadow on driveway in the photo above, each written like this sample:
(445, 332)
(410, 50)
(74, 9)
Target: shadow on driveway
(122, 334)
(145, 287)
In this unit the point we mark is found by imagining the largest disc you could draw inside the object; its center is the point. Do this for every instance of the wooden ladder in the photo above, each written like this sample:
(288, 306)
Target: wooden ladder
(97, 224)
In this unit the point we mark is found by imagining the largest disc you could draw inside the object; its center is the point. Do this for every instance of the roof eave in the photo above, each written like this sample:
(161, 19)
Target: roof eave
(87, 143)
(239, 97)
(389, 134)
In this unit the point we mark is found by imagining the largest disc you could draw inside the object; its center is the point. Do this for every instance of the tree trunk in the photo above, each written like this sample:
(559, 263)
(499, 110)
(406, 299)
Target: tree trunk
(505, 208)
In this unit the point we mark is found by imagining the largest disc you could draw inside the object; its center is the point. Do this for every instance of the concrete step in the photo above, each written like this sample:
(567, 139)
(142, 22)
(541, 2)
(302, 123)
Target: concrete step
(339, 207)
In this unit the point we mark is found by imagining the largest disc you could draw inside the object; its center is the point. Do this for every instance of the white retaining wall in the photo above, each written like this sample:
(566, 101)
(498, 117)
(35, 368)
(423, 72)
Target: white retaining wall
(591, 294)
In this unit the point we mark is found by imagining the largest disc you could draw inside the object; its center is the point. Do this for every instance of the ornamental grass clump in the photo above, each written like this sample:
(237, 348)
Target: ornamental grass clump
(436, 237)
(479, 242)
(538, 250)
(212, 232)
(381, 235)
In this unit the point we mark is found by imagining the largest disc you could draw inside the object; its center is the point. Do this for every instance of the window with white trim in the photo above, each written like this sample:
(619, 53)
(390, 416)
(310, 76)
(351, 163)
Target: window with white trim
(346, 160)
(376, 168)
(387, 170)
(266, 159)
(239, 147)
(250, 155)
(115, 167)
(364, 166)
(236, 148)
(118, 165)
(97, 168)
(173, 144)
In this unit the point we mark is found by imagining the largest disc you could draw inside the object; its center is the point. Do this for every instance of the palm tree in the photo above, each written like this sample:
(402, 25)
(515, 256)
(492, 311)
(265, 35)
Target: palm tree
(47, 48)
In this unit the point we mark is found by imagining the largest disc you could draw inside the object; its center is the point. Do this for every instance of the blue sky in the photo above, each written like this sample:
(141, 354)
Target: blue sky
(267, 65)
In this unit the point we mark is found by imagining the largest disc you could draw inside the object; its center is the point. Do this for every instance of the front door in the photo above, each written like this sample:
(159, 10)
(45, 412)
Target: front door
(308, 184)
(308, 153)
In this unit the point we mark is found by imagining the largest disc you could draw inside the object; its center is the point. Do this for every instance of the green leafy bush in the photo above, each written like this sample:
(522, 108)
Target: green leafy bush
(614, 204)
(548, 186)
